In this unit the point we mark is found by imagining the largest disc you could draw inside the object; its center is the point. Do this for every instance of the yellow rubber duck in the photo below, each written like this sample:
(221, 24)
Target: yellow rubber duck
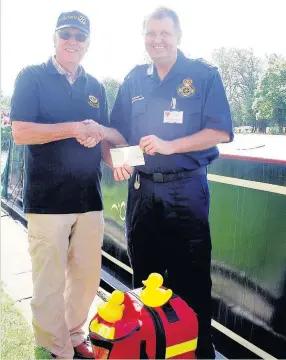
(152, 295)
(112, 310)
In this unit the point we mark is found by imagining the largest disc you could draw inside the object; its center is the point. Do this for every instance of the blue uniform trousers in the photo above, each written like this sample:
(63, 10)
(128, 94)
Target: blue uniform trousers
(168, 232)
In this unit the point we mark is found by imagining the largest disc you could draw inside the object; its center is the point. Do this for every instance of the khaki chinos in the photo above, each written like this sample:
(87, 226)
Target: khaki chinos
(66, 262)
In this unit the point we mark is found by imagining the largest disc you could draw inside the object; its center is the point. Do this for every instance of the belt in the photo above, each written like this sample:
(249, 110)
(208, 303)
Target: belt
(162, 178)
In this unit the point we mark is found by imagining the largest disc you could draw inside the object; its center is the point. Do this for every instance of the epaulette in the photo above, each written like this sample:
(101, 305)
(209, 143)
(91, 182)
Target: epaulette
(202, 67)
(202, 63)
(135, 69)
(206, 63)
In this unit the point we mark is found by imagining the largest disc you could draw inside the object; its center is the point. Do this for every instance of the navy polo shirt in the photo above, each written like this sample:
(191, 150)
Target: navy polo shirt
(61, 177)
(143, 98)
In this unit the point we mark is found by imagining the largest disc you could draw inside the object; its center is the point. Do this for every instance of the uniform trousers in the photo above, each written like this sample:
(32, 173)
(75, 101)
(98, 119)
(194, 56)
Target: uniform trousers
(168, 232)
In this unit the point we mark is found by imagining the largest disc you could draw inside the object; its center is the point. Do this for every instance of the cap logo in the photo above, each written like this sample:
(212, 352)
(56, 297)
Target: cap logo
(82, 20)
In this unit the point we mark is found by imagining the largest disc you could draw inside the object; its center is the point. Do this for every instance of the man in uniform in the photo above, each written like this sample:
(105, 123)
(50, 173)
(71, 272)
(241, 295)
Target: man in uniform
(60, 112)
(176, 109)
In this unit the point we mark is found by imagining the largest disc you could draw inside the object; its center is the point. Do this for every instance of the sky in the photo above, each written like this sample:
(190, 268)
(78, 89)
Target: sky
(27, 28)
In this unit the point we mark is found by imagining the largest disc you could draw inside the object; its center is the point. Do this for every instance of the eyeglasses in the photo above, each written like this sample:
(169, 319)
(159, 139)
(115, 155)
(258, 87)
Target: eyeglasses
(66, 35)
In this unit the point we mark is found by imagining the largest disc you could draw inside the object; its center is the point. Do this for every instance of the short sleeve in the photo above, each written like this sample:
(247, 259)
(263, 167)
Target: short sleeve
(120, 117)
(217, 113)
(25, 99)
(104, 115)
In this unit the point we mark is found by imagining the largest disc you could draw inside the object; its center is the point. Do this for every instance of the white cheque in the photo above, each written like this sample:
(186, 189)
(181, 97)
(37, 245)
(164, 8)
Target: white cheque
(131, 155)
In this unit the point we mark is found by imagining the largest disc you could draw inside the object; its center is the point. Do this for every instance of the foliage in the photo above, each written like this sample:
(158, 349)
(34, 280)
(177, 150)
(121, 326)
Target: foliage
(5, 101)
(270, 101)
(5, 137)
(5, 130)
(111, 87)
(275, 130)
(240, 70)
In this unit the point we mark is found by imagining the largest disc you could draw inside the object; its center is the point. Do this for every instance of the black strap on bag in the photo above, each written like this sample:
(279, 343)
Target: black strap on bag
(159, 329)
(143, 353)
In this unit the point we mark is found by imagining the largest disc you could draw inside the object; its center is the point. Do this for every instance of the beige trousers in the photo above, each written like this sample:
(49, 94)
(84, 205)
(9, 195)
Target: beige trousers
(66, 262)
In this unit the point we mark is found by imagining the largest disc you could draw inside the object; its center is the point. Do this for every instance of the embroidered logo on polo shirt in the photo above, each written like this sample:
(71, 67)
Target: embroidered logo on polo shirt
(186, 89)
(93, 101)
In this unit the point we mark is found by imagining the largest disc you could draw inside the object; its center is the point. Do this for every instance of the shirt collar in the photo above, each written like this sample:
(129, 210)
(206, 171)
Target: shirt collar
(55, 68)
(71, 78)
(178, 66)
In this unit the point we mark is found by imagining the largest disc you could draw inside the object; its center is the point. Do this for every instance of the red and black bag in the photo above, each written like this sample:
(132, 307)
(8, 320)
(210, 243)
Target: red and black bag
(166, 332)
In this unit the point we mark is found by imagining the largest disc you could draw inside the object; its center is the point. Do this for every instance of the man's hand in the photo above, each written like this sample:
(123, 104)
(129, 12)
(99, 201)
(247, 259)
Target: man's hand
(123, 173)
(95, 134)
(89, 142)
(151, 145)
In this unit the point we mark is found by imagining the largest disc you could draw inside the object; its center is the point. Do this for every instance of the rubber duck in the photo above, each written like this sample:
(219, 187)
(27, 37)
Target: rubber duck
(112, 310)
(152, 295)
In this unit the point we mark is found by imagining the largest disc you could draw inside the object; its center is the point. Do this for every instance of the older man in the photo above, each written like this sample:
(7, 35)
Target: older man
(176, 109)
(60, 113)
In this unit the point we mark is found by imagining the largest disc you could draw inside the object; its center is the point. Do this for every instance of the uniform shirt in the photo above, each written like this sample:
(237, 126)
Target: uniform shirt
(142, 99)
(61, 177)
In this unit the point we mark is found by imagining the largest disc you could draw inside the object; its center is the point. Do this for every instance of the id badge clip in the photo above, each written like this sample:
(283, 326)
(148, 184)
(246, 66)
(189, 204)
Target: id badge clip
(173, 116)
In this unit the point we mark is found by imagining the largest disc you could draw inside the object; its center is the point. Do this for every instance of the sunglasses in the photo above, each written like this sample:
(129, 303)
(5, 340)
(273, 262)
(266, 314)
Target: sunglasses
(66, 35)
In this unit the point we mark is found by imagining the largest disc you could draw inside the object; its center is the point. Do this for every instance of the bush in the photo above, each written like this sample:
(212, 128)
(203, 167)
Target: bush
(5, 137)
(275, 130)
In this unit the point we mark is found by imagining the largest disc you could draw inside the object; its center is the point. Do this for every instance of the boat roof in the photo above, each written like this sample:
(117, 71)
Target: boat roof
(256, 147)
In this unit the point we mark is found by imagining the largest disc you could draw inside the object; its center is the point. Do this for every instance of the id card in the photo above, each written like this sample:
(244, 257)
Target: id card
(130, 155)
(173, 117)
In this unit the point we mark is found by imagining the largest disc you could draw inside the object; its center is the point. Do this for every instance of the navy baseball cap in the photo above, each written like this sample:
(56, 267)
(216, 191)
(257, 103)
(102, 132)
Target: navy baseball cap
(73, 19)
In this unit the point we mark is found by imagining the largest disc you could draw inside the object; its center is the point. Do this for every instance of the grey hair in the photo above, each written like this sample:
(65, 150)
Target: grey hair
(162, 13)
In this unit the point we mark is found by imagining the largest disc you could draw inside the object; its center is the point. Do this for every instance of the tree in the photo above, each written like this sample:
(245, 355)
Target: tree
(240, 70)
(111, 87)
(5, 102)
(270, 97)
(5, 130)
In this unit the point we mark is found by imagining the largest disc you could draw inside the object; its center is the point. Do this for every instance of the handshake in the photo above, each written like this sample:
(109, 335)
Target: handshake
(89, 133)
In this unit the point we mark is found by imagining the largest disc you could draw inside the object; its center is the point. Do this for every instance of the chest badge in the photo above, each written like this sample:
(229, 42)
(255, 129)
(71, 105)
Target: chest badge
(186, 89)
(93, 101)
(136, 98)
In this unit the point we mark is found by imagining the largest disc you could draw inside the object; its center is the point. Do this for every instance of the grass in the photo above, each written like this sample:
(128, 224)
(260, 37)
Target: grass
(17, 338)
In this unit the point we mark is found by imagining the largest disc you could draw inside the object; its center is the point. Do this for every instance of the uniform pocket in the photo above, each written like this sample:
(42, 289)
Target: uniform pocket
(190, 106)
(138, 107)
(35, 231)
(192, 109)
(205, 186)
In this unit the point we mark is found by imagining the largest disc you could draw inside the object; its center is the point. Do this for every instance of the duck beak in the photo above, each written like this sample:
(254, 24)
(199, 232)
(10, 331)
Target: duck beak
(144, 282)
